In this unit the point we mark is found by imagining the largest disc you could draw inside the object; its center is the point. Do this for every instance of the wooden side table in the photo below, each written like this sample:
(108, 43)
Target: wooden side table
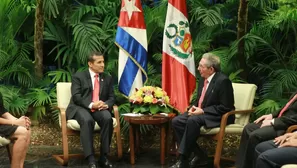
(162, 122)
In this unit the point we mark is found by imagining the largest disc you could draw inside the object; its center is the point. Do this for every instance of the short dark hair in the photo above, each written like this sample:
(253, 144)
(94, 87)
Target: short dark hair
(92, 54)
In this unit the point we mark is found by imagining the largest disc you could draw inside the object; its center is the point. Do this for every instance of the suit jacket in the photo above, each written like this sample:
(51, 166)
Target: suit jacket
(288, 118)
(218, 99)
(82, 89)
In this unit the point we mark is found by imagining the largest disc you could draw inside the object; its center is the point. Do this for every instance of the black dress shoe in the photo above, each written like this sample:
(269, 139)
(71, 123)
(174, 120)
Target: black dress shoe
(105, 164)
(92, 165)
(197, 161)
(181, 164)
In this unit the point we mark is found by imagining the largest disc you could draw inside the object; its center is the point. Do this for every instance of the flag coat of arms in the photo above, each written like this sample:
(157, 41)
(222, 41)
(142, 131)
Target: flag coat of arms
(131, 39)
(178, 66)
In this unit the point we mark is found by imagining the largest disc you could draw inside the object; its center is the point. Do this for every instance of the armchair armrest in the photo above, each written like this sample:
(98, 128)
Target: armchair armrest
(225, 116)
(116, 111)
(117, 117)
(291, 128)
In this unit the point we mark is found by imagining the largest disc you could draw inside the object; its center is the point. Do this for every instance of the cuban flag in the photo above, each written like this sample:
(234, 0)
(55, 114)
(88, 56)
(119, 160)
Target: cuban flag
(131, 39)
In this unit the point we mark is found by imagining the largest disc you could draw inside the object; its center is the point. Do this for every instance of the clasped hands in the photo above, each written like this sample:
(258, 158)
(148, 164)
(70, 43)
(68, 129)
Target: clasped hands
(99, 105)
(195, 111)
(266, 120)
(23, 121)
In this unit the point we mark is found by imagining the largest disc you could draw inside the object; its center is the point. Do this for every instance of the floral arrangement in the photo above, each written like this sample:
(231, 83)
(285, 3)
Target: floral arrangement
(149, 99)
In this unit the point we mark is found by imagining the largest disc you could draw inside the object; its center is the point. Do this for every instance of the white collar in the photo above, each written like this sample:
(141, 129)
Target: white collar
(210, 77)
(92, 74)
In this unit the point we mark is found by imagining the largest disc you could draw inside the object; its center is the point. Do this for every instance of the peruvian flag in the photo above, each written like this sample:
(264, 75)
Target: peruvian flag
(178, 66)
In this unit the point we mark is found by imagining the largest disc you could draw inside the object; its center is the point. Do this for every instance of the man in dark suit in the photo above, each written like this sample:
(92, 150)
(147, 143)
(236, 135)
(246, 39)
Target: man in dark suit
(92, 100)
(278, 152)
(214, 98)
(265, 128)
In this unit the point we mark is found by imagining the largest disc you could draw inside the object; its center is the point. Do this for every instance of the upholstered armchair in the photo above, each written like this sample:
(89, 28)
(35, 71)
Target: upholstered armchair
(244, 97)
(72, 128)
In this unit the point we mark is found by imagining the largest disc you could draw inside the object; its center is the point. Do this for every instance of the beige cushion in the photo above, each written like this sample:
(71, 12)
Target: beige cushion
(4, 141)
(73, 124)
(244, 95)
(63, 99)
(290, 166)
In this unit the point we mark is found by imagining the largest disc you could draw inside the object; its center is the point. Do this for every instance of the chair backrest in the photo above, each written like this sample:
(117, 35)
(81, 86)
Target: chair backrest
(244, 95)
(63, 94)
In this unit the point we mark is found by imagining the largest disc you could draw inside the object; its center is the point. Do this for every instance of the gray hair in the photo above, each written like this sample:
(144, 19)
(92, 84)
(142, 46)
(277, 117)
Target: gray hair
(212, 61)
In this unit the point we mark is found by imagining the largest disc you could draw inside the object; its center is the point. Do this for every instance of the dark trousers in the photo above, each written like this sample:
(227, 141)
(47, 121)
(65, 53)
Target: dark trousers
(187, 131)
(251, 136)
(270, 156)
(86, 120)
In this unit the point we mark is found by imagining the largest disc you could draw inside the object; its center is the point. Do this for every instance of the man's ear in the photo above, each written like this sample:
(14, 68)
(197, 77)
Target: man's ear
(89, 63)
(212, 69)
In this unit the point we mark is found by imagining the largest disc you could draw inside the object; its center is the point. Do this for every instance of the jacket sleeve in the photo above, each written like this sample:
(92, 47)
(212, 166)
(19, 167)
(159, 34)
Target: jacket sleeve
(77, 97)
(282, 123)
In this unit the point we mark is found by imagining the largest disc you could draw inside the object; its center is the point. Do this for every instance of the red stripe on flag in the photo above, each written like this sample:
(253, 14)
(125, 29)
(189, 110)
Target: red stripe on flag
(178, 82)
(180, 5)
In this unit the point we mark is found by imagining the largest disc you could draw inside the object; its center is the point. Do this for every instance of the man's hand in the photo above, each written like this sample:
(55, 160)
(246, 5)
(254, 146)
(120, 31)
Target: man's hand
(193, 108)
(281, 139)
(264, 117)
(266, 123)
(99, 105)
(103, 106)
(195, 111)
(290, 142)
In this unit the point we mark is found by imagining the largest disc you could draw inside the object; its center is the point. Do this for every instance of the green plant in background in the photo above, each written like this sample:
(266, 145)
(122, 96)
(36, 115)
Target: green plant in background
(74, 28)
(272, 47)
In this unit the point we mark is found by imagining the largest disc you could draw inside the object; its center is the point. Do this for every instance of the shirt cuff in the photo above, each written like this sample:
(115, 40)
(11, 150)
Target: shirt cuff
(272, 122)
(90, 106)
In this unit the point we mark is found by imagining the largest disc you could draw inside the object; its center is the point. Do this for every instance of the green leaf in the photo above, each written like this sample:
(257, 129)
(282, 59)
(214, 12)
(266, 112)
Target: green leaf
(136, 110)
(144, 109)
(154, 109)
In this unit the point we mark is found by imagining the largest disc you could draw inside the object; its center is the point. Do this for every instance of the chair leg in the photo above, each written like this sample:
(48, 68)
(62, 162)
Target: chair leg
(217, 156)
(63, 159)
(119, 144)
(65, 150)
(9, 152)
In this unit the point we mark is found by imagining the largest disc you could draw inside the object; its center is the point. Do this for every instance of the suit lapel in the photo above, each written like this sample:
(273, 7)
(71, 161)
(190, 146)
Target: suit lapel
(89, 80)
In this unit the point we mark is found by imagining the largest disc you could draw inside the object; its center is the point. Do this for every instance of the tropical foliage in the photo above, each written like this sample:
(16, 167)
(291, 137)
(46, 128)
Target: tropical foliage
(74, 28)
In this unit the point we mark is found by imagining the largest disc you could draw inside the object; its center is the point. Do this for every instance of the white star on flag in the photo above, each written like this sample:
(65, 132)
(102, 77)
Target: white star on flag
(130, 8)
